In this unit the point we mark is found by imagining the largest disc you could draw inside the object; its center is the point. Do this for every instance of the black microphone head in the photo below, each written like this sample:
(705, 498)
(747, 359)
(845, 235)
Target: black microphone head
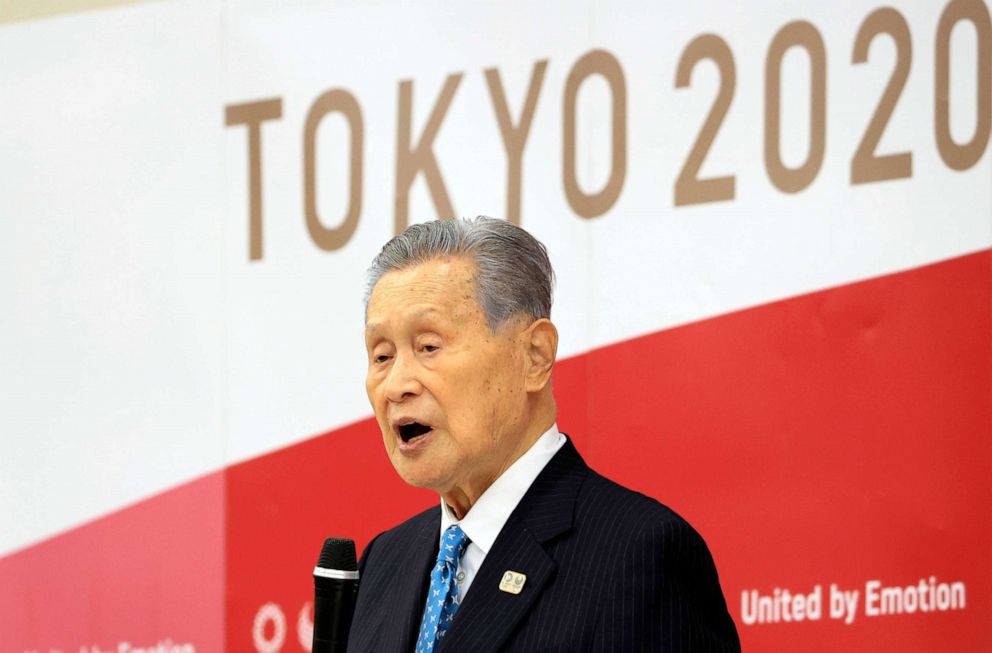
(338, 553)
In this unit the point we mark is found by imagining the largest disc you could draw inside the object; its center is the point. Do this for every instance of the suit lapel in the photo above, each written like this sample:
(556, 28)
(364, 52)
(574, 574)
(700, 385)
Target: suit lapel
(400, 603)
(489, 615)
(412, 590)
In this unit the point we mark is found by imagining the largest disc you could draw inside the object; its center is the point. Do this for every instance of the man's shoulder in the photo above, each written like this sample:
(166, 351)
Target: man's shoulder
(598, 505)
(416, 523)
(654, 546)
(395, 546)
(414, 527)
(655, 571)
(629, 511)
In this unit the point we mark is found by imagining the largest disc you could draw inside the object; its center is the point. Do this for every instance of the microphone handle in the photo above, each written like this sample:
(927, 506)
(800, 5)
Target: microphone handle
(333, 608)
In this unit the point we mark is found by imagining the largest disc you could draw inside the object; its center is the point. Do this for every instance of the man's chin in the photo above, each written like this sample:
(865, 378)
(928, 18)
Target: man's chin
(417, 474)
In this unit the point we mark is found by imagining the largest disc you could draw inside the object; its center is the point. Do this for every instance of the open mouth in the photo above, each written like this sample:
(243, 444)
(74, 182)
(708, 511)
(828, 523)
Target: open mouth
(413, 430)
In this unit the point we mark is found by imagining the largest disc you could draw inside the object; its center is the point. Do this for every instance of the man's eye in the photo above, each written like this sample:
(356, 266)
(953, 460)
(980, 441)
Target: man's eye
(430, 349)
(381, 358)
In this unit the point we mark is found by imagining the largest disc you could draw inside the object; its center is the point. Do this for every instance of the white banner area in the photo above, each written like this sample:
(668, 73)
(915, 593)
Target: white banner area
(190, 193)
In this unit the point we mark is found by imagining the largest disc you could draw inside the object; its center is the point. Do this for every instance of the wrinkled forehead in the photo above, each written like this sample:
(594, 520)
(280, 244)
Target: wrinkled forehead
(442, 287)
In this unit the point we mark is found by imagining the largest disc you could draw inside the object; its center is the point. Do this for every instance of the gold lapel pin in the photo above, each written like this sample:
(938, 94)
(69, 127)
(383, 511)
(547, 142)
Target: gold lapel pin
(512, 582)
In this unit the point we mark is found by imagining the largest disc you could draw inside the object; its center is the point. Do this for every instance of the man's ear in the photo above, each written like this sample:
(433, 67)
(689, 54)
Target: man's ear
(541, 343)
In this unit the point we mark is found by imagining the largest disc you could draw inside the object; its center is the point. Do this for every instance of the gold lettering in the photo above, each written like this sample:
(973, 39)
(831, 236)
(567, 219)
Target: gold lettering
(420, 158)
(866, 166)
(804, 35)
(596, 62)
(963, 156)
(514, 136)
(252, 115)
(689, 188)
(346, 104)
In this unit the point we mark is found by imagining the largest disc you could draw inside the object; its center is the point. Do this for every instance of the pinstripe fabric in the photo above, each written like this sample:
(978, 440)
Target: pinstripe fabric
(654, 589)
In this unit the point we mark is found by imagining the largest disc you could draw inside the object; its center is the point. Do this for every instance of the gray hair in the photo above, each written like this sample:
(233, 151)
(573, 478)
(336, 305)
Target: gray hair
(513, 274)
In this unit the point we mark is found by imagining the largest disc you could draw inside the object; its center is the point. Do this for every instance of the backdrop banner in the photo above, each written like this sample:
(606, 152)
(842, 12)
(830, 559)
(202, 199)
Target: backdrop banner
(771, 225)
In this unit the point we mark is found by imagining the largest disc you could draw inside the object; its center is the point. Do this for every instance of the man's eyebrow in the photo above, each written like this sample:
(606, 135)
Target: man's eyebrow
(427, 312)
(373, 327)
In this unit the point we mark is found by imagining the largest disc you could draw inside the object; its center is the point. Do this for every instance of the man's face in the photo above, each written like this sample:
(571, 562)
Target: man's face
(449, 396)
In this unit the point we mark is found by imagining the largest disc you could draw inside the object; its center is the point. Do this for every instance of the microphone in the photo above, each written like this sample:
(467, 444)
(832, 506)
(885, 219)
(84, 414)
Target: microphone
(335, 583)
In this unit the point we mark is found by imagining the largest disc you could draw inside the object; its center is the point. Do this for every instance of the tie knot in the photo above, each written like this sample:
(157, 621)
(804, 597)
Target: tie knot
(453, 543)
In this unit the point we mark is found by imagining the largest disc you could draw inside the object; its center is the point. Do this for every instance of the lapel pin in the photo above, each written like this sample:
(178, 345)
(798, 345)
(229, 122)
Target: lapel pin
(512, 582)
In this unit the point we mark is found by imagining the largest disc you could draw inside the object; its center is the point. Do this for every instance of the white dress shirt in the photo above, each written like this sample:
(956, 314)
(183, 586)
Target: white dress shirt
(486, 518)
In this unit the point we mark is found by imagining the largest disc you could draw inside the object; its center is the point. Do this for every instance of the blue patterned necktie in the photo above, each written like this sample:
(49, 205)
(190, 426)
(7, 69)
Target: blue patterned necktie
(442, 597)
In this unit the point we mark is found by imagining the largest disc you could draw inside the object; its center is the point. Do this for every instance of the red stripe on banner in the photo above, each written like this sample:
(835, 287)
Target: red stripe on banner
(148, 574)
(839, 437)
(836, 438)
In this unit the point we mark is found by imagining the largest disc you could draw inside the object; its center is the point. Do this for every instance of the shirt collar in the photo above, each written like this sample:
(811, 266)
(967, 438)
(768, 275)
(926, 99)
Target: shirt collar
(485, 519)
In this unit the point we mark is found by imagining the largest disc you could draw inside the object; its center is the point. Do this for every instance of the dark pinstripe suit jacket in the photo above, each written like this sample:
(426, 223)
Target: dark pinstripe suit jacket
(607, 569)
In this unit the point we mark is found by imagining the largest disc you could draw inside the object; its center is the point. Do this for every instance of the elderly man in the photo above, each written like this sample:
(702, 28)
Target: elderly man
(529, 550)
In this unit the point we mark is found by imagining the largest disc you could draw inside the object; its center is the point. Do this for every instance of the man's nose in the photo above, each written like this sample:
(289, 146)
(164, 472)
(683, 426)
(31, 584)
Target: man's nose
(402, 382)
